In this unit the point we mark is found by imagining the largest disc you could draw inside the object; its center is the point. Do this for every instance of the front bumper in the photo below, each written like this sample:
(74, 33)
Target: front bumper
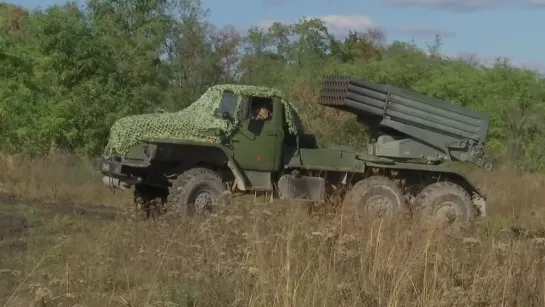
(113, 175)
(107, 167)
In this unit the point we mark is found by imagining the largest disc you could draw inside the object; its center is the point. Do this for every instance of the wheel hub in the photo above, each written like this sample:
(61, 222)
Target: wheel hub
(202, 202)
(379, 205)
(446, 212)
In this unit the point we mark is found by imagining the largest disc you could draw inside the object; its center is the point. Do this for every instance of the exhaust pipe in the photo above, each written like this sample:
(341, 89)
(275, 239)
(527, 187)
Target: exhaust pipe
(122, 184)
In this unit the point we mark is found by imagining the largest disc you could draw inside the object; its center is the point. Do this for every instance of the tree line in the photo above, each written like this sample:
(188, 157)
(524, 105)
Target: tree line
(68, 72)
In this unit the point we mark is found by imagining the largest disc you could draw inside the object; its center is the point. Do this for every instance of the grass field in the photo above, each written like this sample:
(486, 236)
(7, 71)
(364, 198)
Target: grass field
(66, 240)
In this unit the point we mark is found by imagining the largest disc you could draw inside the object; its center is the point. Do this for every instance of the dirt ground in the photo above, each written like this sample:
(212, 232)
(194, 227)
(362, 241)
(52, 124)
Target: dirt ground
(15, 222)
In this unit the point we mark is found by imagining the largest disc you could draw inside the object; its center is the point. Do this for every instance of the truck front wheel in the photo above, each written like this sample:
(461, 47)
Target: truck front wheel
(376, 196)
(197, 191)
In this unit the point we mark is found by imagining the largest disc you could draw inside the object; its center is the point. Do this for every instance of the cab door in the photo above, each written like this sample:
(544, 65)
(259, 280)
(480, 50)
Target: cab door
(257, 145)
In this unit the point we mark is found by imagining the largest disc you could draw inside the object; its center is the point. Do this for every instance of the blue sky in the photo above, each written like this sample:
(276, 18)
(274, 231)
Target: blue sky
(486, 28)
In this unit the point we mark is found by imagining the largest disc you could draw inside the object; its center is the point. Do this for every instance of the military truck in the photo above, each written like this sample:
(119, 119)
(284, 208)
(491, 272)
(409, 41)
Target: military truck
(191, 159)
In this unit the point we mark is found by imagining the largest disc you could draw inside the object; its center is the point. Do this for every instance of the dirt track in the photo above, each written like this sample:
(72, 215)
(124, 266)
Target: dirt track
(15, 226)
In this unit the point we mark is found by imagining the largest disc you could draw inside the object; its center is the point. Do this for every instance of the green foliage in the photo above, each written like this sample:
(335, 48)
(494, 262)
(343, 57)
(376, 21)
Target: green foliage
(68, 73)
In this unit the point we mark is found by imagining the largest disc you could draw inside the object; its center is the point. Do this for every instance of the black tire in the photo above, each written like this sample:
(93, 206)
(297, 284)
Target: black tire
(197, 191)
(445, 202)
(366, 193)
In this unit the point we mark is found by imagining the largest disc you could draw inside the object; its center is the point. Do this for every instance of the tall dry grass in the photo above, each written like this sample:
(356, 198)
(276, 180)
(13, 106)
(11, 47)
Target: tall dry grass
(274, 254)
(59, 178)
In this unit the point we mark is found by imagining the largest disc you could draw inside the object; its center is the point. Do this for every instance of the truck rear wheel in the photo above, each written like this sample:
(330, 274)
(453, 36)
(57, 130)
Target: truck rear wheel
(197, 191)
(446, 203)
(376, 196)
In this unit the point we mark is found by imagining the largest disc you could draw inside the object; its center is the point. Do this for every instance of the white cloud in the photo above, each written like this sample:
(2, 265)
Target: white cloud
(465, 5)
(338, 25)
(341, 24)
(266, 23)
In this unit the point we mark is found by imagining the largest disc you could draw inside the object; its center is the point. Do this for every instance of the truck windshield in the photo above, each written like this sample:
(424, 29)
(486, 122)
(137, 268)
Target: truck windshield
(228, 103)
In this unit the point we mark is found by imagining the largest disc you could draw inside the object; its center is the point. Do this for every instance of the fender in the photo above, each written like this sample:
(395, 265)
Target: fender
(157, 146)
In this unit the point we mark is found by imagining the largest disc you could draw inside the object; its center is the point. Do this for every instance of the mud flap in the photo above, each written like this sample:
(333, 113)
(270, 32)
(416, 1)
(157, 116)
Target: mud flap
(480, 203)
(302, 188)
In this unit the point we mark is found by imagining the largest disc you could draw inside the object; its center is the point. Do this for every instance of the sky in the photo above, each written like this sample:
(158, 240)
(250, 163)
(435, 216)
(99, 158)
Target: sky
(484, 28)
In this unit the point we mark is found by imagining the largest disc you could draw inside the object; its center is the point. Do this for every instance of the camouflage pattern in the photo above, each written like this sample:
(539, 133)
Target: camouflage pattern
(191, 122)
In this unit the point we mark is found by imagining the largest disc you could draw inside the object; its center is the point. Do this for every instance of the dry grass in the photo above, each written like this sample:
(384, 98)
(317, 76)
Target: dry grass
(262, 254)
(55, 178)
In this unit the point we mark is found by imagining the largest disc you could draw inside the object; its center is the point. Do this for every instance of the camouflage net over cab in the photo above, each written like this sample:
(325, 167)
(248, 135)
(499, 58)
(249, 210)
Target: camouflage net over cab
(191, 122)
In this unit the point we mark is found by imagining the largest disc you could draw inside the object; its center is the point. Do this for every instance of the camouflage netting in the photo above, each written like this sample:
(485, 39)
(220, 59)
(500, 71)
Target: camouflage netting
(189, 123)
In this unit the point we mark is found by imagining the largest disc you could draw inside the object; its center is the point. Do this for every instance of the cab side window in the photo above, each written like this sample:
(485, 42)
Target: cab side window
(259, 113)
(261, 108)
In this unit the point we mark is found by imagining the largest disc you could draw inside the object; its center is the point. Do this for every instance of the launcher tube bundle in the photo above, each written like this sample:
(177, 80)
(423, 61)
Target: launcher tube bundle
(410, 125)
